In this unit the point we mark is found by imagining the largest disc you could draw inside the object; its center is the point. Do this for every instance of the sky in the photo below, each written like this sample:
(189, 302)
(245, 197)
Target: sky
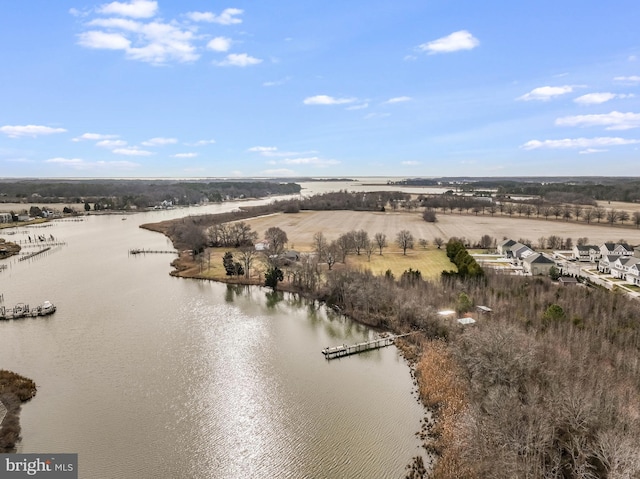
(411, 88)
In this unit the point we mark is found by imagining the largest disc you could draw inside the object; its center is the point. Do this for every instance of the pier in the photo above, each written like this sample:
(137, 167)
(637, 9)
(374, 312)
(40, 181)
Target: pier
(346, 350)
(151, 251)
(22, 310)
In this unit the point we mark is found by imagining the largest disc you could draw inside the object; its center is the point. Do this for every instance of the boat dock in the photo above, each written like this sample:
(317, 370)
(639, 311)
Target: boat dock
(346, 350)
(151, 251)
(22, 310)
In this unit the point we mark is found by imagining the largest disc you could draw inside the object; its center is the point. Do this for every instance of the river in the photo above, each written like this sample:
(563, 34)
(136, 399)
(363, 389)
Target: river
(146, 376)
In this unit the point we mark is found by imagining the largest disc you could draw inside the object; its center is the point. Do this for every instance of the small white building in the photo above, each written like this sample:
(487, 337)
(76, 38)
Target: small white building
(6, 218)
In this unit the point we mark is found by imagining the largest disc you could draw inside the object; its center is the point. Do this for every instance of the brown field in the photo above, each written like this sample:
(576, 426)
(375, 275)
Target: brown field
(300, 227)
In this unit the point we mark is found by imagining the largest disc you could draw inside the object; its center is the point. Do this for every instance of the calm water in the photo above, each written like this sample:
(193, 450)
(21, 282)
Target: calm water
(147, 376)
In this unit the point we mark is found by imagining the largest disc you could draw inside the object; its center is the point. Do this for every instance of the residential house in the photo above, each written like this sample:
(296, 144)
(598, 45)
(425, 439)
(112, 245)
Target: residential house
(633, 273)
(262, 245)
(588, 253)
(6, 218)
(620, 249)
(620, 267)
(537, 264)
(520, 251)
(567, 280)
(604, 266)
(505, 246)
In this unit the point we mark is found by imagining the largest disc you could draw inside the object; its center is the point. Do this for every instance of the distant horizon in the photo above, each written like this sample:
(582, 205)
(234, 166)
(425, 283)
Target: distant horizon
(159, 89)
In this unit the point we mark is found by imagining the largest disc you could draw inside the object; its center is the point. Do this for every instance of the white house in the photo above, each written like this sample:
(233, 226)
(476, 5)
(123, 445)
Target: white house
(620, 249)
(620, 267)
(537, 264)
(505, 246)
(589, 253)
(633, 274)
(604, 266)
(5, 218)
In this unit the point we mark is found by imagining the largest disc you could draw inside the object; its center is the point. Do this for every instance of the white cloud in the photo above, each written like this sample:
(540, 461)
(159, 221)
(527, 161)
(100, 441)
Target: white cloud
(239, 60)
(66, 161)
(79, 164)
(203, 142)
(597, 98)
(372, 116)
(327, 100)
(613, 121)
(227, 17)
(358, 107)
(312, 161)
(634, 79)
(160, 141)
(103, 41)
(590, 151)
(410, 163)
(460, 40)
(94, 137)
(398, 99)
(185, 155)
(262, 149)
(278, 172)
(134, 9)
(19, 131)
(277, 82)
(133, 151)
(153, 42)
(578, 143)
(219, 44)
(546, 93)
(111, 144)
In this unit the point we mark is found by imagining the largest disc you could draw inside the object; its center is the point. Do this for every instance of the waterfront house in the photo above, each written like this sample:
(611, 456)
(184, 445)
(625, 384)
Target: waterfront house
(6, 218)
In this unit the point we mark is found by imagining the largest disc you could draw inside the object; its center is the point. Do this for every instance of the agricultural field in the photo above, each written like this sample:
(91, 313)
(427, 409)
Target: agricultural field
(300, 227)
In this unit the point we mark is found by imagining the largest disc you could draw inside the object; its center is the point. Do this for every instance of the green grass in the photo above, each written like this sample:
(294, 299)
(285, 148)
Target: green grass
(430, 262)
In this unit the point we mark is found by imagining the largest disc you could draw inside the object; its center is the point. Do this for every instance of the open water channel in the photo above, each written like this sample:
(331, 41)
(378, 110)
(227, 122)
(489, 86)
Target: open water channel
(147, 376)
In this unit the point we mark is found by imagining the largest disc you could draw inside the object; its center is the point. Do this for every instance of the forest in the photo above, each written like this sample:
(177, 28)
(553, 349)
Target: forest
(125, 194)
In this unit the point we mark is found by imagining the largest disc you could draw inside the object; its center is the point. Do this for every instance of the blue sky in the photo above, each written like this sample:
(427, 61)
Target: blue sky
(141, 88)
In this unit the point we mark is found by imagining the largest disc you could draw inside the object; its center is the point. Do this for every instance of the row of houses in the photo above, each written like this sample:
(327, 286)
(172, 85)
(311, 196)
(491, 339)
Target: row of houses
(532, 263)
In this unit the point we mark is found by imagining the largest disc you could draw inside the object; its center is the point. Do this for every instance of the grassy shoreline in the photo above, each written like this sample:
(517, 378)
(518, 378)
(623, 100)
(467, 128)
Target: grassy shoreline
(14, 390)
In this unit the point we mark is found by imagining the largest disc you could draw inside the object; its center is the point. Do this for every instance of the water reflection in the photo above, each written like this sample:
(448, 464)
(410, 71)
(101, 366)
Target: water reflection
(192, 379)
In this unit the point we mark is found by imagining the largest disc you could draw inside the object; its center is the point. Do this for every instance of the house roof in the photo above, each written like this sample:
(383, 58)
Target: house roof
(507, 242)
(465, 321)
(586, 247)
(538, 258)
(567, 280)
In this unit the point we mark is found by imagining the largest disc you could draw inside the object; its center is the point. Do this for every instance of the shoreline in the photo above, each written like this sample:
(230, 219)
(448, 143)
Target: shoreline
(15, 390)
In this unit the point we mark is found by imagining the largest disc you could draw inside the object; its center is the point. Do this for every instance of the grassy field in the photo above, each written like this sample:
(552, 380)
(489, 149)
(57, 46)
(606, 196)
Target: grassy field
(300, 227)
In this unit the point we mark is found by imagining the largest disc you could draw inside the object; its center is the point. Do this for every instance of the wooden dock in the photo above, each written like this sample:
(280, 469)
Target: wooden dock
(346, 350)
(151, 251)
(22, 310)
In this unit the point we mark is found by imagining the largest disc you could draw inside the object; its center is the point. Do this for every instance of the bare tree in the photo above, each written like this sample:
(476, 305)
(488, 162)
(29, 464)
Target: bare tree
(612, 216)
(360, 240)
(369, 248)
(623, 216)
(438, 241)
(404, 240)
(381, 241)
(542, 242)
(331, 254)
(636, 218)
(247, 255)
(599, 213)
(320, 244)
(588, 215)
(423, 242)
(277, 239)
(346, 245)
